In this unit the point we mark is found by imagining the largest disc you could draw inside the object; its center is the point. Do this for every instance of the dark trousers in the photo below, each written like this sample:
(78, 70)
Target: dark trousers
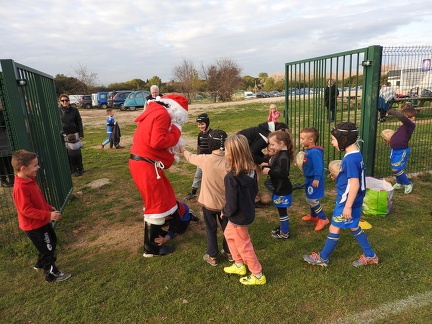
(211, 219)
(75, 160)
(45, 240)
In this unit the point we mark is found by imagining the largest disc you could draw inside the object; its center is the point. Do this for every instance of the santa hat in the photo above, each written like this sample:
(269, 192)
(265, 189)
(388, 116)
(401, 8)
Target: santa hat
(177, 107)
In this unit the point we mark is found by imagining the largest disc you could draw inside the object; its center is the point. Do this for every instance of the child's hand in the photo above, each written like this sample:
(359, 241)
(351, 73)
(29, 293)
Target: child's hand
(162, 239)
(263, 164)
(346, 213)
(182, 149)
(55, 215)
(315, 183)
(265, 170)
(332, 177)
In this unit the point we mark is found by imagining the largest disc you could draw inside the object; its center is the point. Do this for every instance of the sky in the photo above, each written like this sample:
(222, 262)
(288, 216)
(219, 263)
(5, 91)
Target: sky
(128, 39)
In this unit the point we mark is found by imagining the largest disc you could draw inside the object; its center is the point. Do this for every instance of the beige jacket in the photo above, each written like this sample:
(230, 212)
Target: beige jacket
(212, 192)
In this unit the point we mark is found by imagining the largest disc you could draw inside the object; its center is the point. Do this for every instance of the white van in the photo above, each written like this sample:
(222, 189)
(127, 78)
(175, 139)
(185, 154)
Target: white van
(249, 95)
(74, 100)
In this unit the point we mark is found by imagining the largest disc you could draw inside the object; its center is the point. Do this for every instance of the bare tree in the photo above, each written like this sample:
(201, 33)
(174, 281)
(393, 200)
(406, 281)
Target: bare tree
(187, 79)
(85, 76)
(223, 77)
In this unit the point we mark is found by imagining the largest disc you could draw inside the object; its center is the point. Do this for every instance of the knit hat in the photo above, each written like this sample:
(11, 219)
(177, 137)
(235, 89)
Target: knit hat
(203, 118)
(346, 134)
(216, 139)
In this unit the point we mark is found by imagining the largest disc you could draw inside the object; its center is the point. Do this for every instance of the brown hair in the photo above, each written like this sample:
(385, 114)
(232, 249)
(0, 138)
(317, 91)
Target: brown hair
(313, 132)
(22, 158)
(63, 95)
(285, 136)
(238, 154)
(409, 111)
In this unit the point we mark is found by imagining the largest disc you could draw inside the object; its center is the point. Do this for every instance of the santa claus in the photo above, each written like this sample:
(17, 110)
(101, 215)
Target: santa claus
(153, 150)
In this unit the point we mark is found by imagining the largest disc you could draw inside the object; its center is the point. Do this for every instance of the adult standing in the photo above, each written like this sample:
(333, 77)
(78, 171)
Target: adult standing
(154, 93)
(71, 120)
(385, 99)
(330, 94)
(153, 150)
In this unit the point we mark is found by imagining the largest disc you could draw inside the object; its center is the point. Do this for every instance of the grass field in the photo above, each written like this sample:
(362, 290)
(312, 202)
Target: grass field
(101, 245)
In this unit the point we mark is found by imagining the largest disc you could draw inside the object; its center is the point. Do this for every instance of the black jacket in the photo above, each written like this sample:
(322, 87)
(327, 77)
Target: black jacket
(240, 193)
(279, 174)
(256, 142)
(71, 121)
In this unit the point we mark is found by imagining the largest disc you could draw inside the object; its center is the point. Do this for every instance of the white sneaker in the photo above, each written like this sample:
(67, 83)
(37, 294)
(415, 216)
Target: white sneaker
(408, 188)
(398, 186)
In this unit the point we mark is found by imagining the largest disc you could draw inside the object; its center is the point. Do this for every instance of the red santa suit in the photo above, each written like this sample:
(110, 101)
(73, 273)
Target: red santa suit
(157, 134)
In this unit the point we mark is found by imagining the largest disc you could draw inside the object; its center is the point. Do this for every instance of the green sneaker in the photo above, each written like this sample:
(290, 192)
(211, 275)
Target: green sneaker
(252, 280)
(233, 269)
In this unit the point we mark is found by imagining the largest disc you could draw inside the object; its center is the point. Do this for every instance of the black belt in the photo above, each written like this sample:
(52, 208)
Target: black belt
(139, 158)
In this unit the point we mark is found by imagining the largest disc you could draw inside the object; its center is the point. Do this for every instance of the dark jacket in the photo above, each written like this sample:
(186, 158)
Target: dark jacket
(330, 95)
(256, 142)
(240, 193)
(71, 121)
(279, 174)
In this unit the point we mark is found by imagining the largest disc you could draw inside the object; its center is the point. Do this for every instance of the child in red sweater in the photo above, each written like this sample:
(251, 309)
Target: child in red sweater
(35, 214)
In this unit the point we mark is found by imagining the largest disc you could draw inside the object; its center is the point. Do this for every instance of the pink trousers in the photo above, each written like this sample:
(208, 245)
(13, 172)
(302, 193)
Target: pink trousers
(241, 248)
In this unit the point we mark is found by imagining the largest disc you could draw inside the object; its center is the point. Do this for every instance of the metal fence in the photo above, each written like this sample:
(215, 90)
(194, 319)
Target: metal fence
(358, 75)
(32, 122)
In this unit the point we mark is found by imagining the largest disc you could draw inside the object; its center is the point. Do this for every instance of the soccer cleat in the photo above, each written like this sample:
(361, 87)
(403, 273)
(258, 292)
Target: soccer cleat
(279, 235)
(193, 217)
(275, 230)
(321, 224)
(234, 269)
(227, 255)
(408, 188)
(190, 196)
(398, 186)
(119, 147)
(315, 259)
(309, 218)
(212, 261)
(252, 280)
(61, 276)
(362, 261)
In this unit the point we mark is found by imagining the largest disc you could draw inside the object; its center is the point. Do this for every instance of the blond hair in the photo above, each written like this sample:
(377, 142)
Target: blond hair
(238, 154)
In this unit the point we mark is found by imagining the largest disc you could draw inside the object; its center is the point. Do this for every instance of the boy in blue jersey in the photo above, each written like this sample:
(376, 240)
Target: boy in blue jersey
(350, 192)
(313, 170)
(110, 123)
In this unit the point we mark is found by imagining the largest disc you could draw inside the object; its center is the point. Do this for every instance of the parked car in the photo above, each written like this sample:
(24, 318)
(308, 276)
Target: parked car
(274, 93)
(135, 99)
(262, 94)
(74, 100)
(249, 95)
(85, 102)
(100, 99)
(118, 100)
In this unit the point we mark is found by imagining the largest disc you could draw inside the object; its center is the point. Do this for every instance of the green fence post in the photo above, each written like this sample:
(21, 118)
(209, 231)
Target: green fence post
(369, 105)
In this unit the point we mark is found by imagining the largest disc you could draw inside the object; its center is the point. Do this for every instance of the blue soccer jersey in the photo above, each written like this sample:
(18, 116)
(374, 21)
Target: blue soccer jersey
(352, 167)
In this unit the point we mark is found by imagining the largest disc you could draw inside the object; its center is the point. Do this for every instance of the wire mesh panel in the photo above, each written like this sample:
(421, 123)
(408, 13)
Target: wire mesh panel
(32, 122)
(324, 91)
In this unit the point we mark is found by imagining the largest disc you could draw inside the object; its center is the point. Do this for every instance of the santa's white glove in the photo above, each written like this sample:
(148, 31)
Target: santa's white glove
(177, 125)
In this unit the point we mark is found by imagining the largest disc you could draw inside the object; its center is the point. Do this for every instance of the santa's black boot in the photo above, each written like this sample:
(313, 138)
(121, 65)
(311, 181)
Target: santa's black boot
(151, 248)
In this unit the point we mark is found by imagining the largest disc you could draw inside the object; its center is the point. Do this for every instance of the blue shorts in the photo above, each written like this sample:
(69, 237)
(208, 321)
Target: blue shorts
(282, 201)
(314, 193)
(399, 158)
(339, 221)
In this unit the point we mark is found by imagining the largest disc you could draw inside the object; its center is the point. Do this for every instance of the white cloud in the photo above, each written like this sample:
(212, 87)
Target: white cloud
(122, 40)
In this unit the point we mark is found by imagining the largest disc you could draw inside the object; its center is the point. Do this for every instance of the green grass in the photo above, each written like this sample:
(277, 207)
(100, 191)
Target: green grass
(101, 245)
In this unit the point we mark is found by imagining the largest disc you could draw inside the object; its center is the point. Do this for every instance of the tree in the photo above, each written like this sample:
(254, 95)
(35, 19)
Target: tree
(69, 85)
(85, 76)
(187, 80)
(155, 80)
(223, 77)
